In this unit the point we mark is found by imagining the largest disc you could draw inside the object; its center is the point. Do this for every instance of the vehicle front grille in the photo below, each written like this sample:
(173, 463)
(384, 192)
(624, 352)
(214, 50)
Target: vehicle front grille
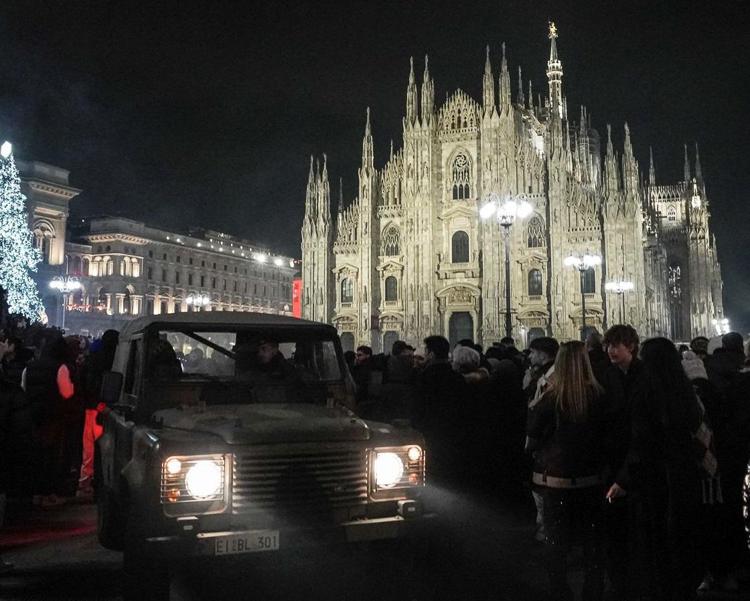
(298, 481)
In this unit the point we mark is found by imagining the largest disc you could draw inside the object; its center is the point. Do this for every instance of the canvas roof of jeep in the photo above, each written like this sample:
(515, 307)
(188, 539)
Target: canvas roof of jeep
(223, 319)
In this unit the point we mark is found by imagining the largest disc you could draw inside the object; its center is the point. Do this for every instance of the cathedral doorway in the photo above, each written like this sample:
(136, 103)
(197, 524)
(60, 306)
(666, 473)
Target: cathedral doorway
(460, 326)
(388, 339)
(347, 341)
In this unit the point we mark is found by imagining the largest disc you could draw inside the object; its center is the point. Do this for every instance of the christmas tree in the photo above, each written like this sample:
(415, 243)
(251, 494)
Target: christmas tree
(18, 256)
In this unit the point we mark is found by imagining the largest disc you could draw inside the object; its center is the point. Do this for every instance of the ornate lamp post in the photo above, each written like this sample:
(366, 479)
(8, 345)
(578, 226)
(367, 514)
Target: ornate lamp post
(198, 300)
(506, 210)
(583, 263)
(65, 285)
(620, 287)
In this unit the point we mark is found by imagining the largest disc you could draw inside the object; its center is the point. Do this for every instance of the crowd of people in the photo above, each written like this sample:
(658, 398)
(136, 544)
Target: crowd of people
(635, 452)
(49, 401)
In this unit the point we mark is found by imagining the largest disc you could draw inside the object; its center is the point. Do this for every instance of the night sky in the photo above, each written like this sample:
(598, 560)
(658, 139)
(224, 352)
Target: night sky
(205, 114)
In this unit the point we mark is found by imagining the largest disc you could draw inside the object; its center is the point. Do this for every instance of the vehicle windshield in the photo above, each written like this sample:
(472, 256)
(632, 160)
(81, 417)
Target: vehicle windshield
(243, 366)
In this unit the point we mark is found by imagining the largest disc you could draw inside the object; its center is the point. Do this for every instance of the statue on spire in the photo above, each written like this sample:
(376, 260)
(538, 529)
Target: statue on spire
(552, 30)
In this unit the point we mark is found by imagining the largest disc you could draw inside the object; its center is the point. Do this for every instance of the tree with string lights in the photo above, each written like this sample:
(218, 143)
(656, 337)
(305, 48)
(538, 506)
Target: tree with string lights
(18, 255)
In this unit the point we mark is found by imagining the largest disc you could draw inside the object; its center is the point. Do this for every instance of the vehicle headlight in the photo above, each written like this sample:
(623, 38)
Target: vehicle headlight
(194, 484)
(203, 480)
(389, 469)
(394, 470)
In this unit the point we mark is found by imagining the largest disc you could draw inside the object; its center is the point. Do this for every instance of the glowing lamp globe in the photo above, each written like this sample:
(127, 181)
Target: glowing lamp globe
(6, 149)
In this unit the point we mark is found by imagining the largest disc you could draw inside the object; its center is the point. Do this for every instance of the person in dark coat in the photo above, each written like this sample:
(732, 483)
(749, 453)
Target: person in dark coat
(725, 362)
(662, 467)
(620, 380)
(399, 382)
(597, 356)
(566, 432)
(720, 541)
(361, 373)
(437, 411)
(48, 385)
(18, 452)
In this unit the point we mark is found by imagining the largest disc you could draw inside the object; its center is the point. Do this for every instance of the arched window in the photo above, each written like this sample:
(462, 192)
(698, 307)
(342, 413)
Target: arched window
(671, 214)
(347, 291)
(589, 281)
(461, 177)
(535, 282)
(391, 239)
(391, 289)
(460, 247)
(535, 233)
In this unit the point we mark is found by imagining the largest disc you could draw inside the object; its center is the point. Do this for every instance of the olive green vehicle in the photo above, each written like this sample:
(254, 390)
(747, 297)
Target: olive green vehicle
(209, 452)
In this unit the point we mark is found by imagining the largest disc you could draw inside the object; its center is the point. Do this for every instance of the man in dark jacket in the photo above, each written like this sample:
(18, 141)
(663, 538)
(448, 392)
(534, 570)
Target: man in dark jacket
(437, 412)
(620, 381)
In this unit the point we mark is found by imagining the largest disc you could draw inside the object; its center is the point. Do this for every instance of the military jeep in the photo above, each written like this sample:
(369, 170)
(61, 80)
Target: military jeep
(235, 434)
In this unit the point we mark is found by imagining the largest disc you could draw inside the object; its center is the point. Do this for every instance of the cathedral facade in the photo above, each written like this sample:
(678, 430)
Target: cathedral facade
(410, 255)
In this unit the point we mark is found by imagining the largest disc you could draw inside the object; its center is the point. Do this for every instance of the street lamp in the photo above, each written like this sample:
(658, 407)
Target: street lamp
(198, 300)
(721, 326)
(583, 264)
(65, 285)
(506, 210)
(620, 287)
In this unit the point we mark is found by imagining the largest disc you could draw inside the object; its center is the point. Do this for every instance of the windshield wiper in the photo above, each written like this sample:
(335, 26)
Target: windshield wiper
(213, 345)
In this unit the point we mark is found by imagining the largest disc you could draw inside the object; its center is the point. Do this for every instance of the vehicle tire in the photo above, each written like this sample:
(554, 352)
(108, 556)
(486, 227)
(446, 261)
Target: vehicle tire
(146, 578)
(110, 522)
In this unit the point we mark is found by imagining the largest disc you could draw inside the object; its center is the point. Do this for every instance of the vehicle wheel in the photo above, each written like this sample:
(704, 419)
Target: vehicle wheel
(110, 526)
(146, 578)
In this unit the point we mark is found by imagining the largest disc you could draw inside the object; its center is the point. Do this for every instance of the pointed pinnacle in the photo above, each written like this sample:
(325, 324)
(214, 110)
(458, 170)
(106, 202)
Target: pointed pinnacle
(426, 68)
(411, 69)
(325, 165)
(487, 64)
(341, 195)
(367, 124)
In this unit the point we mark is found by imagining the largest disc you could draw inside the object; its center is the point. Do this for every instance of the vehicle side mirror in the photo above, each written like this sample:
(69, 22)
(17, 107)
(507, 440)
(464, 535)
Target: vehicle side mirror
(111, 387)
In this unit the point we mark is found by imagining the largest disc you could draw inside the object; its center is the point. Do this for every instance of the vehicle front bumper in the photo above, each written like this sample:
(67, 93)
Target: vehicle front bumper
(202, 544)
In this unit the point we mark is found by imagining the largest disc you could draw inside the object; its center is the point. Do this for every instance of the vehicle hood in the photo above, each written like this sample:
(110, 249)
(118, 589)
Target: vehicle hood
(267, 423)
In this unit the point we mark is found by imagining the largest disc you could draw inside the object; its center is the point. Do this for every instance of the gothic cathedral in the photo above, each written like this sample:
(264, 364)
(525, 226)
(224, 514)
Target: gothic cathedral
(410, 256)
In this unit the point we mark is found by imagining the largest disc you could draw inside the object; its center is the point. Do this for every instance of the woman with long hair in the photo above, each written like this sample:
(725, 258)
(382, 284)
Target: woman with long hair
(565, 432)
(663, 462)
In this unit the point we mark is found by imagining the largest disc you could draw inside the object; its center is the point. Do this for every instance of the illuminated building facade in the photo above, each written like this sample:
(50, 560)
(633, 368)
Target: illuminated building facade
(128, 269)
(410, 256)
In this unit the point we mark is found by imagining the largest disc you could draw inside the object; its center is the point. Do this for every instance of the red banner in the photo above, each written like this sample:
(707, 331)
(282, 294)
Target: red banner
(297, 297)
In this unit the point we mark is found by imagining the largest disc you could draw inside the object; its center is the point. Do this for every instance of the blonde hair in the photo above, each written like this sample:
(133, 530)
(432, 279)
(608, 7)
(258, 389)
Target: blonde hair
(573, 384)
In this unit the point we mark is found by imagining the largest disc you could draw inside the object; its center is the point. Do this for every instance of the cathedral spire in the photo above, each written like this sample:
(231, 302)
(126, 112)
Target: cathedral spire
(411, 95)
(612, 178)
(341, 198)
(629, 165)
(324, 195)
(520, 100)
(531, 98)
(554, 74)
(391, 155)
(428, 93)
(686, 168)
(311, 193)
(651, 168)
(698, 168)
(488, 86)
(368, 158)
(505, 93)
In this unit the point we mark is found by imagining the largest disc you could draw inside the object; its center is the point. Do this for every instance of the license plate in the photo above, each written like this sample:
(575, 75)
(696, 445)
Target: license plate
(254, 541)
